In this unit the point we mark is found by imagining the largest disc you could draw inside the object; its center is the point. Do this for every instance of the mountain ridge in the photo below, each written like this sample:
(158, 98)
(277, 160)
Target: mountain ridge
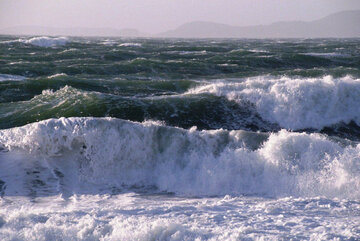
(339, 25)
(345, 24)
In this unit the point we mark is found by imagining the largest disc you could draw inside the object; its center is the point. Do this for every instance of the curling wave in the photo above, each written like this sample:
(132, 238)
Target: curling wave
(295, 103)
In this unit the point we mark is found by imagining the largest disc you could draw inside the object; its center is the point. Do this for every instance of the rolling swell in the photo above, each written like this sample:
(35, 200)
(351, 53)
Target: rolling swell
(87, 155)
(27, 89)
(265, 103)
(203, 110)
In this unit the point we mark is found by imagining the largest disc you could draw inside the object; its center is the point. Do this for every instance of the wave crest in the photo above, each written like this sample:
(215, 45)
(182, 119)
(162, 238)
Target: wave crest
(47, 41)
(10, 77)
(295, 103)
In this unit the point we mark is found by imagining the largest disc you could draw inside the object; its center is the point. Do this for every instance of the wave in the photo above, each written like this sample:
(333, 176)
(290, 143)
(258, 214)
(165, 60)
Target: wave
(57, 75)
(47, 41)
(66, 101)
(109, 42)
(153, 100)
(70, 155)
(327, 54)
(9, 77)
(294, 103)
(130, 45)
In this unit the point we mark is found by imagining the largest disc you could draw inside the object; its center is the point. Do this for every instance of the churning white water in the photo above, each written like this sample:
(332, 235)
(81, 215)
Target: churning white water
(90, 178)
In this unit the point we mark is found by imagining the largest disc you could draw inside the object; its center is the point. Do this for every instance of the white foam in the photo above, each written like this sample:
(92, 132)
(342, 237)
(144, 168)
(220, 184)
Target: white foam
(9, 77)
(102, 153)
(130, 45)
(60, 176)
(151, 217)
(295, 103)
(200, 52)
(109, 42)
(68, 50)
(47, 41)
(333, 54)
(258, 51)
(57, 75)
(228, 65)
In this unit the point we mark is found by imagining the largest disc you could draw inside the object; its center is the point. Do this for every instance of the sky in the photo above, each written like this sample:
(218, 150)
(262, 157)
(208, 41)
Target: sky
(155, 16)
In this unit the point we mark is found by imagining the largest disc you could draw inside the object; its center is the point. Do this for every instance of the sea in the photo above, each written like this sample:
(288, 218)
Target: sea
(179, 139)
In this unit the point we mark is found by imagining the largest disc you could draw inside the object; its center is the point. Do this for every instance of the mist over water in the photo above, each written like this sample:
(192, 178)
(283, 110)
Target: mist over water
(179, 139)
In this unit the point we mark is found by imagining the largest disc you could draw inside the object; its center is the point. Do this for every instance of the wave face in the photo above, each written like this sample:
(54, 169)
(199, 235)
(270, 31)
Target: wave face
(82, 155)
(295, 103)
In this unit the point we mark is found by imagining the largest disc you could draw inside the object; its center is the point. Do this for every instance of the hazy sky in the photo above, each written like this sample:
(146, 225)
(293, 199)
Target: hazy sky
(153, 16)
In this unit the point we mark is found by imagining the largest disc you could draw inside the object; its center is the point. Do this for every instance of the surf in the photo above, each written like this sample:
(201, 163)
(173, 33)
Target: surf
(84, 155)
(294, 103)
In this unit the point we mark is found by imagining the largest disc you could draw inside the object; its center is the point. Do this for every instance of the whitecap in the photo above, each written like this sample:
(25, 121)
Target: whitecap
(103, 153)
(57, 75)
(9, 77)
(109, 42)
(47, 41)
(258, 51)
(130, 45)
(294, 103)
(333, 54)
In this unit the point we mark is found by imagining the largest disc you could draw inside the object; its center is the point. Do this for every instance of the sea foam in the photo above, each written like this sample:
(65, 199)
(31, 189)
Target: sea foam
(10, 77)
(85, 154)
(295, 103)
(130, 45)
(47, 41)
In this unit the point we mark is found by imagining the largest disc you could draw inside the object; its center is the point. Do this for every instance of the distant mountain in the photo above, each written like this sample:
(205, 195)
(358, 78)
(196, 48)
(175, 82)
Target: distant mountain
(339, 25)
(38, 30)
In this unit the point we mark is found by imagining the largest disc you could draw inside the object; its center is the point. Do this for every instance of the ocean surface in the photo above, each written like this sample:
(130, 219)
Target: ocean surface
(173, 139)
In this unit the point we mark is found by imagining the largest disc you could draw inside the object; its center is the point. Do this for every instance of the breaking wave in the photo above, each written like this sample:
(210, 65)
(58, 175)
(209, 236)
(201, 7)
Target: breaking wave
(9, 77)
(47, 41)
(82, 155)
(295, 103)
(130, 45)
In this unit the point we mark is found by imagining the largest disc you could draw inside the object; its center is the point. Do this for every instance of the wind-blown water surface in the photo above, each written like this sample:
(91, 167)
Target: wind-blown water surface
(149, 139)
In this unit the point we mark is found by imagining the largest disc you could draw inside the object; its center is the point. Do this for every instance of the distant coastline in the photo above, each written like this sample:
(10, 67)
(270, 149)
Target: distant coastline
(345, 24)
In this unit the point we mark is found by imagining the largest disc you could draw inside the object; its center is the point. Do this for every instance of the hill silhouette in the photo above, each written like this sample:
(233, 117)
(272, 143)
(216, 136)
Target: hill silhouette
(339, 25)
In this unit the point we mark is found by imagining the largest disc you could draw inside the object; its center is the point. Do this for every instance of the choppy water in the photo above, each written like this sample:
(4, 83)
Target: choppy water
(119, 139)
